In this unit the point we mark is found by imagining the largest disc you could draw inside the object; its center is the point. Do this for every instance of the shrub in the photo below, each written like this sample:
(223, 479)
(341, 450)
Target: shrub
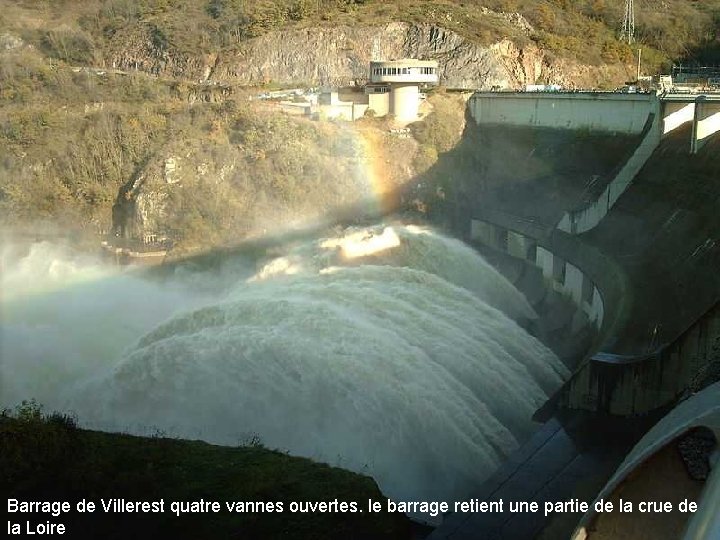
(74, 47)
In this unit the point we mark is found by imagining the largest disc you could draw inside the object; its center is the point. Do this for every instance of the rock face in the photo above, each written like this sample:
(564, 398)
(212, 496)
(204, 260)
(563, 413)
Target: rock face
(8, 42)
(136, 48)
(147, 207)
(339, 56)
(141, 206)
(266, 171)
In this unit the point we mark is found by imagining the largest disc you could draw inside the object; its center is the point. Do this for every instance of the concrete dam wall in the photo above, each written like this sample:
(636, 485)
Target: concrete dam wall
(629, 114)
(653, 374)
(650, 116)
(593, 111)
(584, 219)
(560, 274)
(515, 184)
(627, 385)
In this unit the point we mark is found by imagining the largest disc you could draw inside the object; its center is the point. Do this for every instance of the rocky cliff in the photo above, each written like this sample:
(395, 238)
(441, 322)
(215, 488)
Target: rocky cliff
(340, 56)
(264, 172)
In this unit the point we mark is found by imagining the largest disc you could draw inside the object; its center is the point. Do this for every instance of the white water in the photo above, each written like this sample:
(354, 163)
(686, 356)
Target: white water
(385, 351)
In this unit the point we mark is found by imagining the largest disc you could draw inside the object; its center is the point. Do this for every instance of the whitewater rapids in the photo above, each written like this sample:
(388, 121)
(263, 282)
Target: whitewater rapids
(392, 351)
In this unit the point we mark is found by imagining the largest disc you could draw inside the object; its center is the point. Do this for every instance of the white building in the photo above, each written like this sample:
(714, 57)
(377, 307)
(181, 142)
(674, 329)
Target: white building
(394, 86)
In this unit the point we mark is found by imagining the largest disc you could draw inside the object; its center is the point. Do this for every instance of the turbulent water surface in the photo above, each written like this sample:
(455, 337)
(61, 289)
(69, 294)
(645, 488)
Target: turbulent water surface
(389, 350)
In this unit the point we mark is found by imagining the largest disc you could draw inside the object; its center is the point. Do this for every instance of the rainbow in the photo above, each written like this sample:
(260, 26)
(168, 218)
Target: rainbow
(369, 147)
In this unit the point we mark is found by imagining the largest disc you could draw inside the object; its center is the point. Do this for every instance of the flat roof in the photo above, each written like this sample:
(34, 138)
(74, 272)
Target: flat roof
(405, 62)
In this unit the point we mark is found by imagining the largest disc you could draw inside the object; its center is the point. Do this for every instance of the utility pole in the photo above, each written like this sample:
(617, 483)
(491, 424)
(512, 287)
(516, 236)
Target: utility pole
(628, 29)
(638, 66)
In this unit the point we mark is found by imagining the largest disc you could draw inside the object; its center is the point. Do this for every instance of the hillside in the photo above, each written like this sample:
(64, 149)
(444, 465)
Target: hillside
(137, 118)
(46, 457)
(135, 155)
(323, 41)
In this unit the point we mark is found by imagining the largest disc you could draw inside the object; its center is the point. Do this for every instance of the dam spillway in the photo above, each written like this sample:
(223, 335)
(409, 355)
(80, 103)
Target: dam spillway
(629, 236)
(149, 372)
(391, 351)
(602, 179)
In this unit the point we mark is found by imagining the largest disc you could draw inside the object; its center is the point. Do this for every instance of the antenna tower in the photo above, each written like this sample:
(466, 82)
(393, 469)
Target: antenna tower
(628, 29)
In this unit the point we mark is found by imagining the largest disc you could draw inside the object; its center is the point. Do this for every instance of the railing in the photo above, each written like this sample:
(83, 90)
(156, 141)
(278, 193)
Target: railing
(587, 218)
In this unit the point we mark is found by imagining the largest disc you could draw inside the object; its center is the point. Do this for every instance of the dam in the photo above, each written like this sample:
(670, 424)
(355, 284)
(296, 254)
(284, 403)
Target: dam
(618, 218)
(396, 350)
(647, 117)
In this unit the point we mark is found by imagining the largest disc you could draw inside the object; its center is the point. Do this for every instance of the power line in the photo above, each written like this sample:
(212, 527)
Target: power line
(628, 29)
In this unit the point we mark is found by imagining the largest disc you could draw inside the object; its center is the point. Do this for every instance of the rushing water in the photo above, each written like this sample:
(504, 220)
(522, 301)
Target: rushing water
(390, 351)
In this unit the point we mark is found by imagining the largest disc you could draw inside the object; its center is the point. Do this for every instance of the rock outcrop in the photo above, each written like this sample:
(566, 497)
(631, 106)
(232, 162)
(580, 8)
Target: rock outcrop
(274, 172)
(340, 56)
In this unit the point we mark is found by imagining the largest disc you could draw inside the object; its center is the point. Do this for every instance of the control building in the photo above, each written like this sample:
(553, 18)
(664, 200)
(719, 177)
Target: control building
(394, 86)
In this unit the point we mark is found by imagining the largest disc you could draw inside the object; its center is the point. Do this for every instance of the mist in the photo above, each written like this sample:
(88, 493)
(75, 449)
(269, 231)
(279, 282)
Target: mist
(390, 350)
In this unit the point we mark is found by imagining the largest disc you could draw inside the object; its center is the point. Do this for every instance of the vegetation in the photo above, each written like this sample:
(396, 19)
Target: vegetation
(586, 30)
(440, 131)
(72, 138)
(47, 457)
(69, 141)
(277, 169)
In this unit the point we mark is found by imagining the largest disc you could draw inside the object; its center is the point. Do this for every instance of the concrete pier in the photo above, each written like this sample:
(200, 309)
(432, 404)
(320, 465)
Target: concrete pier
(703, 111)
(706, 121)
